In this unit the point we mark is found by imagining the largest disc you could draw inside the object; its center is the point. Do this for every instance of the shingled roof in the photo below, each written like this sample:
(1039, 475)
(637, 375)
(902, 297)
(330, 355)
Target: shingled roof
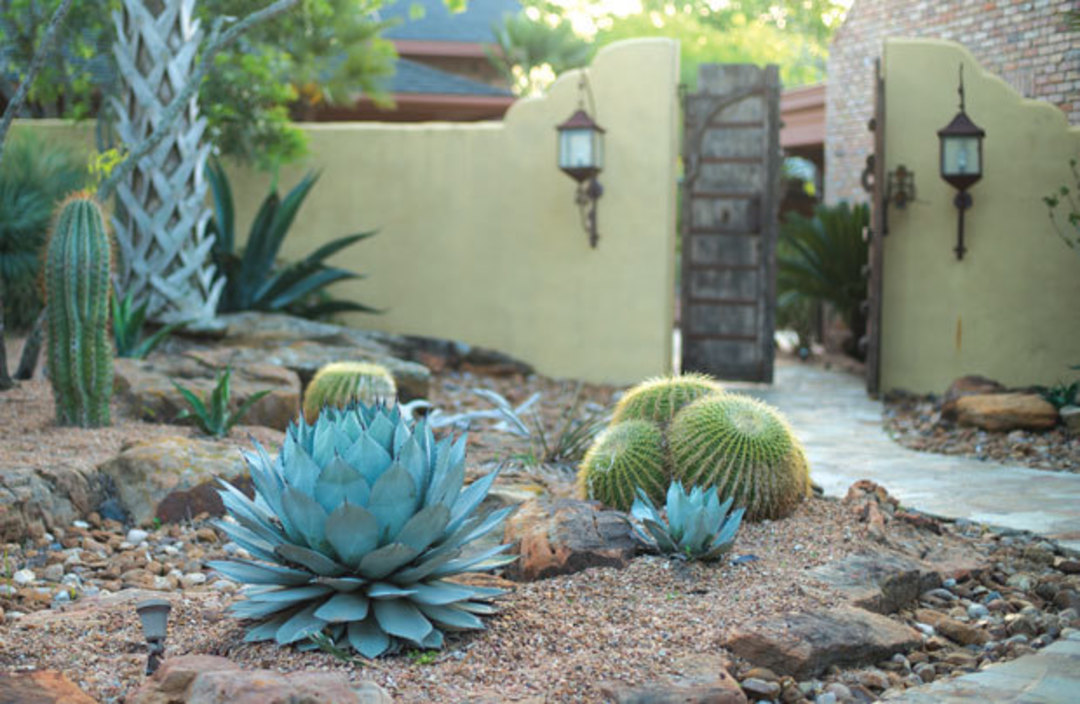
(439, 24)
(413, 77)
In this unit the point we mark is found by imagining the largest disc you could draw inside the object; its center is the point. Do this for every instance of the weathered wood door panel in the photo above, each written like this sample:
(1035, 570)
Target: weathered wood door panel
(731, 156)
(874, 181)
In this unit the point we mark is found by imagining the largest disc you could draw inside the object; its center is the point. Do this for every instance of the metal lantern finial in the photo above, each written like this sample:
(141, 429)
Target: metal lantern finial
(961, 160)
(581, 156)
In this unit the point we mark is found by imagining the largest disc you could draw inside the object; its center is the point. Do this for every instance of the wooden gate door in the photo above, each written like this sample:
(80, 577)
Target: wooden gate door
(730, 199)
(874, 182)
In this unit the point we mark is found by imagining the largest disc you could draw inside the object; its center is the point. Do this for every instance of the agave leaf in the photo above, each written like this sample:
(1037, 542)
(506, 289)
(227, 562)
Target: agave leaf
(301, 625)
(258, 610)
(676, 509)
(248, 540)
(315, 561)
(726, 536)
(381, 430)
(432, 561)
(385, 560)
(477, 607)
(470, 498)
(248, 572)
(289, 595)
(424, 527)
(300, 471)
(385, 590)
(267, 629)
(323, 442)
(401, 436)
(440, 593)
(696, 532)
(339, 483)
(415, 461)
(660, 534)
(643, 508)
(344, 607)
(367, 638)
(306, 516)
(433, 640)
(393, 501)
(451, 617)
(400, 618)
(342, 584)
(448, 478)
(485, 559)
(490, 523)
(353, 532)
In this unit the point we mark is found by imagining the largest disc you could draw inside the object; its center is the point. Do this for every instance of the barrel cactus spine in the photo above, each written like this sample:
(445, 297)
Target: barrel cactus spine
(625, 457)
(660, 398)
(744, 448)
(78, 266)
(340, 383)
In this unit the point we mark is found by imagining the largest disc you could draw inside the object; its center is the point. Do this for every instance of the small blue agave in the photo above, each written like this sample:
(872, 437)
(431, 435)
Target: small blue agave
(698, 526)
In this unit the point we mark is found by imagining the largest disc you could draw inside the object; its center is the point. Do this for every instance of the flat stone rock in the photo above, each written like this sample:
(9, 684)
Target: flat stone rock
(146, 386)
(36, 500)
(171, 477)
(1070, 416)
(969, 385)
(675, 691)
(956, 631)
(41, 687)
(206, 679)
(1005, 412)
(564, 536)
(804, 645)
(882, 582)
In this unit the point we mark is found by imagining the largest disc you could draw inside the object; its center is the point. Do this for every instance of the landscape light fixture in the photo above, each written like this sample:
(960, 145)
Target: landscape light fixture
(154, 614)
(581, 156)
(900, 186)
(961, 161)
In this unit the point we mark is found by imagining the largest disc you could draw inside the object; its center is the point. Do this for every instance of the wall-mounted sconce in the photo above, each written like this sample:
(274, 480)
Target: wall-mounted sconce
(154, 615)
(900, 187)
(581, 156)
(961, 161)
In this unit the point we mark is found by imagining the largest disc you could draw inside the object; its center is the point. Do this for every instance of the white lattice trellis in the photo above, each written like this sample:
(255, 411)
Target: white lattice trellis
(161, 214)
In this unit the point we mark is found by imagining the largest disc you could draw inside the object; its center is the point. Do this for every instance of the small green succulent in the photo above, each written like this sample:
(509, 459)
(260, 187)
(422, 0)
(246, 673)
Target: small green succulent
(354, 529)
(212, 414)
(697, 527)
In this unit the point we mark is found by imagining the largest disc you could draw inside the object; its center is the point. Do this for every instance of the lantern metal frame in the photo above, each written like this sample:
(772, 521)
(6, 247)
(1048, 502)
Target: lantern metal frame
(961, 127)
(154, 616)
(588, 190)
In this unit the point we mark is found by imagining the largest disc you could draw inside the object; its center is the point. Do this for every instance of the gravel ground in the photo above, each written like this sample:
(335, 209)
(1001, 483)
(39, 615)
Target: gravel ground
(915, 422)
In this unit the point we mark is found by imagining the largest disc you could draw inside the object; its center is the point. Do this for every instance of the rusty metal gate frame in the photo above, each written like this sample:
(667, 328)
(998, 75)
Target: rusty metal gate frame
(767, 206)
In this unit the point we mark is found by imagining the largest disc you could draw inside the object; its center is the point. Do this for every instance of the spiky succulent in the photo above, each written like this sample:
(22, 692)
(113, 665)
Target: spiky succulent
(341, 383)
(745, 449)
(697, 527)
(659, 399)
(354, 529)
(625, 457)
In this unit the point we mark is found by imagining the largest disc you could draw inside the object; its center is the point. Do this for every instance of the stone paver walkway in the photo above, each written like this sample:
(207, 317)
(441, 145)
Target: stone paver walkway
(842, 431)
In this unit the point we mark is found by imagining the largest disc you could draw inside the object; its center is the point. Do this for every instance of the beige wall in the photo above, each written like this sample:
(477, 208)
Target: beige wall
(479, 238)
(1011, 308)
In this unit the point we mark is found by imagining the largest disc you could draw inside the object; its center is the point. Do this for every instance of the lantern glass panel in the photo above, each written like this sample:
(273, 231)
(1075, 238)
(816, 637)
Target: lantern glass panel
(577, 149)
(960, 156)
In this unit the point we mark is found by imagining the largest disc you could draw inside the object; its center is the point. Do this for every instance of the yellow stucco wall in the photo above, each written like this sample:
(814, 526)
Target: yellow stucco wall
(1011, 308)
(479, 238)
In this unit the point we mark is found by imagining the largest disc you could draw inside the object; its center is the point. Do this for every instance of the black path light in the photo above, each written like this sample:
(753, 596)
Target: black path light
(961, 161)
(154, 614)
(581, 156)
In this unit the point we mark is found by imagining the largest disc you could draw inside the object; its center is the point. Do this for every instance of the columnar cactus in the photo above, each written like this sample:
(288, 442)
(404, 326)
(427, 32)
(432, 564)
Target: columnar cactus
(340, 383)
(78, 264)
(658, 400)
(745, 449)
(161, 213)
(625, 457)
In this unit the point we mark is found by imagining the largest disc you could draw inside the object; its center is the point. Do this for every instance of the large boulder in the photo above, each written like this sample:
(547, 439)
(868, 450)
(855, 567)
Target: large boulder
(42, 687)
(173, 478)
(804, 645)
(969, 385)
(1005, 412)
(36, 500)
(207, 679)
(879, 581)
(146, 387)
(564, 536)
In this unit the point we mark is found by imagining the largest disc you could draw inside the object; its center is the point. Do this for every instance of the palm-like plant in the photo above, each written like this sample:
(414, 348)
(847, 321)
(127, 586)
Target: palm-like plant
(525, 44)
(824, 258)
(253, 279)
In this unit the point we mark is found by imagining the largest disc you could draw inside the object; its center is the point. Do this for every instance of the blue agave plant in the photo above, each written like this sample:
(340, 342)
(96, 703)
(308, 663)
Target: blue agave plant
(354, 528)
(698, 526)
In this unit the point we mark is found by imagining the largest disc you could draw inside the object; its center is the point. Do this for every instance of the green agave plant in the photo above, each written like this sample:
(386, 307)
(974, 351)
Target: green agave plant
(698, 526)
(355, 527)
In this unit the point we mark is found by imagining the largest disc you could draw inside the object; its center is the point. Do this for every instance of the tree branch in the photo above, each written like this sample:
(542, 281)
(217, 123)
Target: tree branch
(217, 41)
(35, 65)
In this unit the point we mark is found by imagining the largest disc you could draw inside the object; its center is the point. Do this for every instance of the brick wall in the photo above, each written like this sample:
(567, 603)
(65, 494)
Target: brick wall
(1022, 41)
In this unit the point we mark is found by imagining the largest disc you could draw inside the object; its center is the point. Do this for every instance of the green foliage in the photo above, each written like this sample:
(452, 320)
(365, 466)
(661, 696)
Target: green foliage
(532, 52)
(1061, 394)
(697, 525)
(1064, 210)
(340, 383)
(577, 430)
(824, 258)
(213, 415)
(254, 280)
(78, 264)
(127, 323)
(627, 457)
(658, 400)
(745, 449)
(34, 177)
(355, 527)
